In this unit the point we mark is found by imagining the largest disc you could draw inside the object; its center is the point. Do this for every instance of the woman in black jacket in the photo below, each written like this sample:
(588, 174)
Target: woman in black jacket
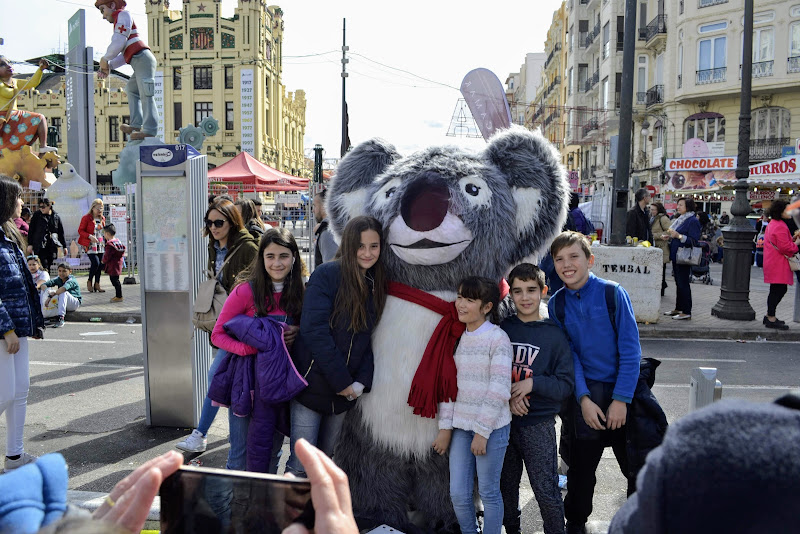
(46, 223)
(342, 304)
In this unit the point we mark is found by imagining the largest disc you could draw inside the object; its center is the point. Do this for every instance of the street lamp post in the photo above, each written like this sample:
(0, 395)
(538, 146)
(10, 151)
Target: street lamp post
(734, 301)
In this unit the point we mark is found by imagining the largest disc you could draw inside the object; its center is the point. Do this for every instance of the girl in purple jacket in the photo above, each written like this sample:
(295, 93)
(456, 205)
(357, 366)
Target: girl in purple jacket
(271, 287)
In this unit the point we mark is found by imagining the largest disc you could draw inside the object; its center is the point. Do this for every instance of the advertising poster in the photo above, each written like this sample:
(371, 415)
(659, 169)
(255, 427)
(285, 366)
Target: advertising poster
(699, 174)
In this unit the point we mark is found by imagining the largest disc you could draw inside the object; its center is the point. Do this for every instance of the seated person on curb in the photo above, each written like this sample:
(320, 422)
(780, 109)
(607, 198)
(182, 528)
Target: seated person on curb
(67, 293)
(542, 375)
(606, 356)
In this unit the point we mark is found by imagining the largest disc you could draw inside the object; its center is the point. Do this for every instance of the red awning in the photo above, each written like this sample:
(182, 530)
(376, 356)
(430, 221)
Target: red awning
(256, 176)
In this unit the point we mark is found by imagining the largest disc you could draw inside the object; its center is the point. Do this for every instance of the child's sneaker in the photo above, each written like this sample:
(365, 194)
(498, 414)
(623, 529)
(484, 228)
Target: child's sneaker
(59, 322)
(116, 299)
(195, 442)
(23, 459)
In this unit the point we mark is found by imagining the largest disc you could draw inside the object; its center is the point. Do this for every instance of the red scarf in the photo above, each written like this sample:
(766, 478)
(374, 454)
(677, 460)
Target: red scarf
(436, 379)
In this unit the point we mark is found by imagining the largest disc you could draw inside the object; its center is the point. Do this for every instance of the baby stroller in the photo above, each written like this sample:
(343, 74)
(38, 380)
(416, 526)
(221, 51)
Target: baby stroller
(702, 271)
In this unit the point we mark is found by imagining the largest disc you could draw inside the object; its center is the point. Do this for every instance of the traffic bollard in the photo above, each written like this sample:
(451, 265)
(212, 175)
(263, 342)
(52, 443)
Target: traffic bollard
(704, 388)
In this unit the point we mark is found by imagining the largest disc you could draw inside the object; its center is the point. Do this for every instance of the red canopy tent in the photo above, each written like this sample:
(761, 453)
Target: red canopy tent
(255, 176)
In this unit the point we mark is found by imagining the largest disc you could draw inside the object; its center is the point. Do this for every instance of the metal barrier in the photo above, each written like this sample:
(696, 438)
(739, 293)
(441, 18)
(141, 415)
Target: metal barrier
(704, 388)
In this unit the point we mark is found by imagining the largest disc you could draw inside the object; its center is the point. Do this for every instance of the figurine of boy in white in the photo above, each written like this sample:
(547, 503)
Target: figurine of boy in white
(127, 46)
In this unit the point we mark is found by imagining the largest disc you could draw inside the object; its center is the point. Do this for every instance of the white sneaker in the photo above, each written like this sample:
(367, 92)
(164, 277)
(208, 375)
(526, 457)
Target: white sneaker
(23, 459)
(195, 442)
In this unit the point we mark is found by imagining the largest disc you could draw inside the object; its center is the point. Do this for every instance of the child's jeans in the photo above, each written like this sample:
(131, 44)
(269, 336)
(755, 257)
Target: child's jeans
(535, 445)
(117, 286)
(463, 465)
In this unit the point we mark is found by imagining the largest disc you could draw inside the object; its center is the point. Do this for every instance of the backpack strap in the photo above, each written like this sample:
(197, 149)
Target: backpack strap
(611, 303)
(560, 300)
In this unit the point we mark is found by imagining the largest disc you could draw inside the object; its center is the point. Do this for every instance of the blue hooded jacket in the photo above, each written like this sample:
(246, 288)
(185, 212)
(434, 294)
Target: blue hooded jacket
(19, 299)
(34, 495)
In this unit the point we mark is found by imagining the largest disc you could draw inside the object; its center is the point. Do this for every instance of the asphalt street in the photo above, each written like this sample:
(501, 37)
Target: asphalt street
(87, 402)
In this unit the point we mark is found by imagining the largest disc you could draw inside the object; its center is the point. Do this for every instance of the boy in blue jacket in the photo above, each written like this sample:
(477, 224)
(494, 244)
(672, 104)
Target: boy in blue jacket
(542, 376)
(606, 356)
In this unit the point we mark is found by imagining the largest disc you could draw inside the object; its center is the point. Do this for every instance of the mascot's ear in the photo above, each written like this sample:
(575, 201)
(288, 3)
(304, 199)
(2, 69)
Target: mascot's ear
(347, 195)
(538, 182)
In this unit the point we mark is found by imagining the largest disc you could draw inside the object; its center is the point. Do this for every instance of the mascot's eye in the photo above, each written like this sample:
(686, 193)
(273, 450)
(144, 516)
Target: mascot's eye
(472, 189)
(390, 192)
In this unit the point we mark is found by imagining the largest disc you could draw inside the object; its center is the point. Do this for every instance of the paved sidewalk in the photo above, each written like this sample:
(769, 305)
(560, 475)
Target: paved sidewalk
(702, 325)
(99, 305)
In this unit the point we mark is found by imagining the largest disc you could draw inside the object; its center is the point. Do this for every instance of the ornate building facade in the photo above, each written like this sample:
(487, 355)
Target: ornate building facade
(228, 68)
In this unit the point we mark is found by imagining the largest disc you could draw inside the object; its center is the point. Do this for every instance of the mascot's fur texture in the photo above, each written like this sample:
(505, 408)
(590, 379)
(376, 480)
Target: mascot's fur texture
(448, 214)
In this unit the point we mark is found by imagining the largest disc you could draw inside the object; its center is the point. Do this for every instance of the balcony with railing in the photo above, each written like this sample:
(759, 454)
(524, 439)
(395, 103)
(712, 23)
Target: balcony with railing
(760, 69)
(582, 39)
(550, 118)
(711, 76)
(643, 34)
(552, 54)
(591, 81)
(656, 31)
(655, 95)
(709, 3)
(592, 35)
(793, 64)
(641, 98)
(766, 149)
(590, 126)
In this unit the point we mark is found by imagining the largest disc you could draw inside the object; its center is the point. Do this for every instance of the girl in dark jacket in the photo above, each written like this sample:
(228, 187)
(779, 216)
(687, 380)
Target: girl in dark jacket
(343, 303)
(20, 317)
(44, 224)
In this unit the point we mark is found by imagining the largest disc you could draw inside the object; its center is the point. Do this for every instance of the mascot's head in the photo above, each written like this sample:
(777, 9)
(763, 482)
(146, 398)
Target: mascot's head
(449, 213)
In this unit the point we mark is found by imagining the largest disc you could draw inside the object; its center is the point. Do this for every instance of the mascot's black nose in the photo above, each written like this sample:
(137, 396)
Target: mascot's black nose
(424, 204)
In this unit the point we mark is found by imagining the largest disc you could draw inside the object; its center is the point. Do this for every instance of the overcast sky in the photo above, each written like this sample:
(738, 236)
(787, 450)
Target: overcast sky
(440, 40)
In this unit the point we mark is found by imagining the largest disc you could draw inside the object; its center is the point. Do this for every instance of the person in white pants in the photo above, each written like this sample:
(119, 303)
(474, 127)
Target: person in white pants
(20, 318)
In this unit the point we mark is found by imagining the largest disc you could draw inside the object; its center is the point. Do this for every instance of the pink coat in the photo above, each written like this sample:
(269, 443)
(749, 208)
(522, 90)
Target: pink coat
(776, 266)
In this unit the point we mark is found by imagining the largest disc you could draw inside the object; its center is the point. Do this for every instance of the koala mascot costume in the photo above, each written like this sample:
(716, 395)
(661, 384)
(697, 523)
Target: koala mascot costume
(447, 214)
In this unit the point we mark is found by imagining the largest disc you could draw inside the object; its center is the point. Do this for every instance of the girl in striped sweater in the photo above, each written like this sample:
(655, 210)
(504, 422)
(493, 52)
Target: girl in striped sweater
(476, 426)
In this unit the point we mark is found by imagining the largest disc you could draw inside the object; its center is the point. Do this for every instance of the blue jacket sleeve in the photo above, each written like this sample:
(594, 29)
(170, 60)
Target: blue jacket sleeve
(560, 384)
(581, 389)
(628, 348)
(315, 328)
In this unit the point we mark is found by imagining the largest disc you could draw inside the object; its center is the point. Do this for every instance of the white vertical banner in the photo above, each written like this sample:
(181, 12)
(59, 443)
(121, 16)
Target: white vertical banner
(247, 114)
(158, 96)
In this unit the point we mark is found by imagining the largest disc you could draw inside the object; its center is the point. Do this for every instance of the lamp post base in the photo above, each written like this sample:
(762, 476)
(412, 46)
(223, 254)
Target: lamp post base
(734, 300)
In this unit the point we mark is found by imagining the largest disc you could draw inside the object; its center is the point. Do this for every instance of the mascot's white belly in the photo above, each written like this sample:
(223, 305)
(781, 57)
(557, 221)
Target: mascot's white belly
(398, 352)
